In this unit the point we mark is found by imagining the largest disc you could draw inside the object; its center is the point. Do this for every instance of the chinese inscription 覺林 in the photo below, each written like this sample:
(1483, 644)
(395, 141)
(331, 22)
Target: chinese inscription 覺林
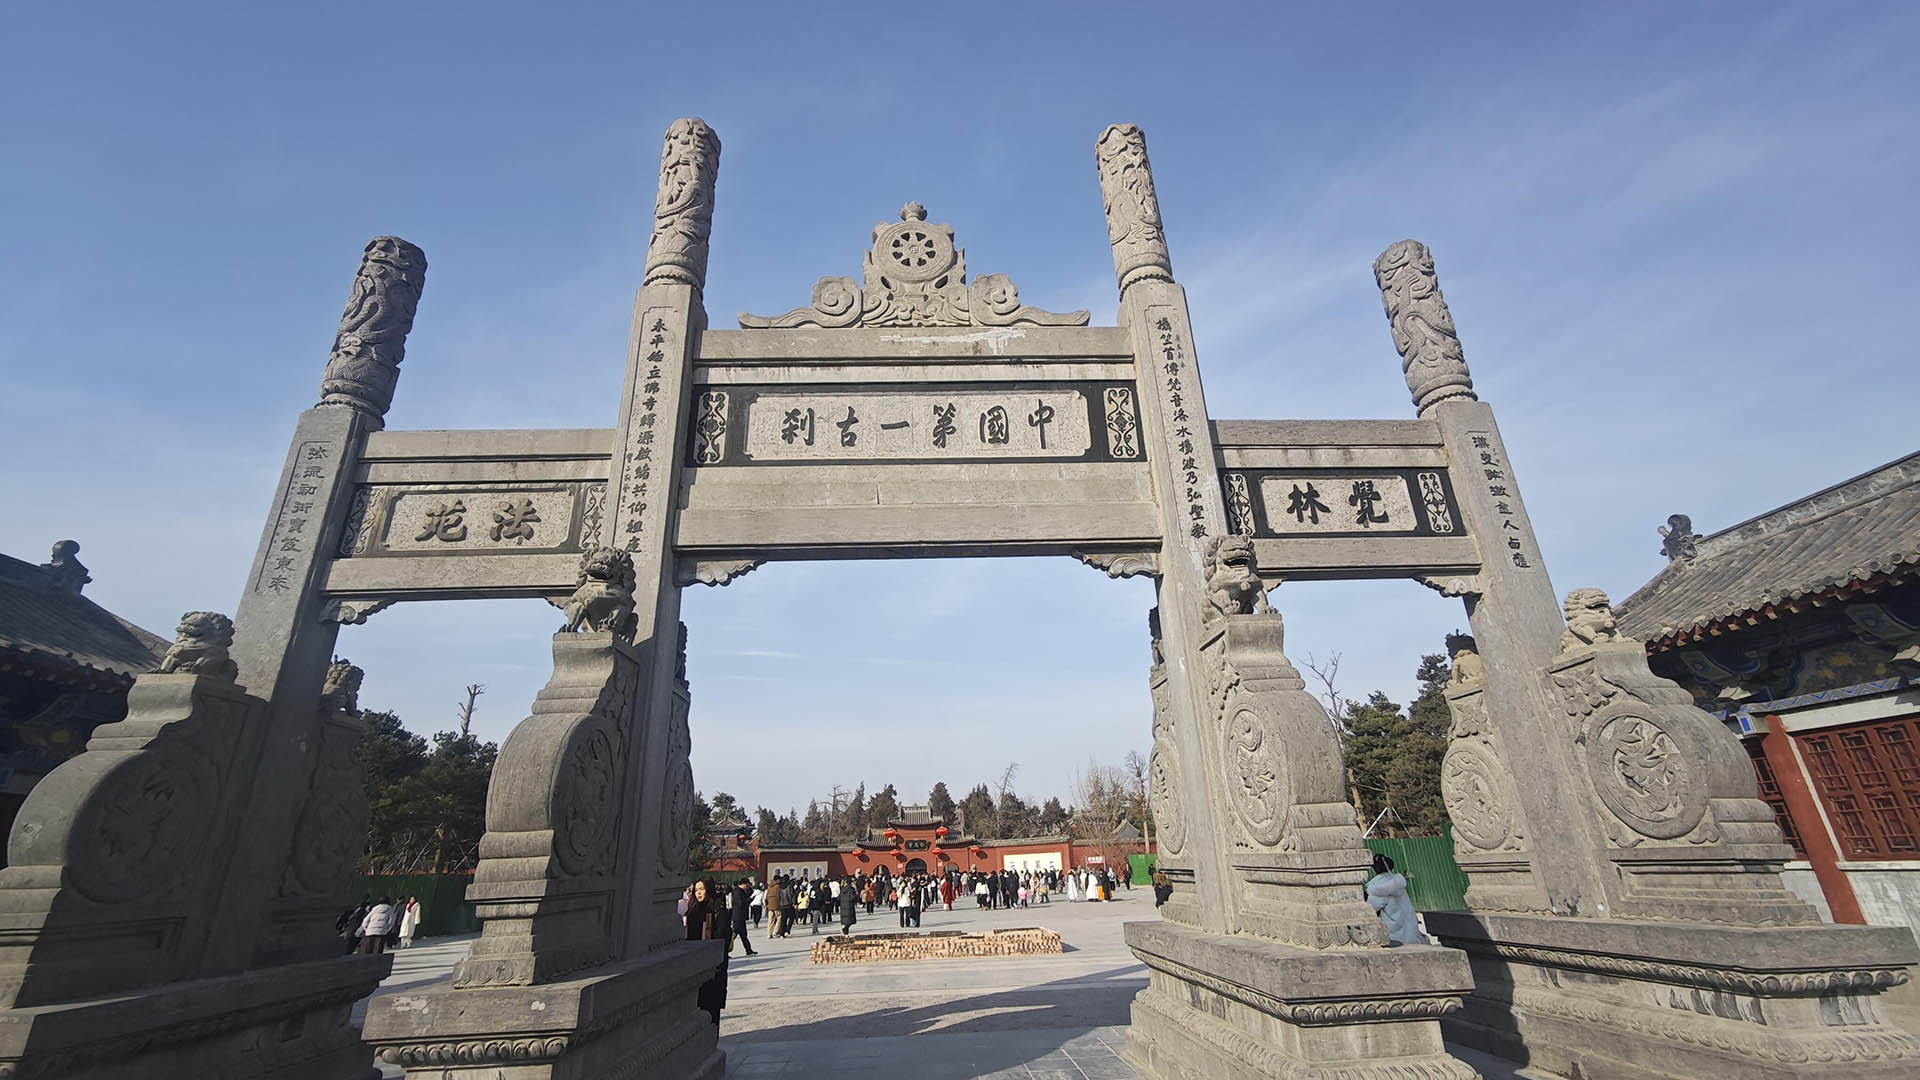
(1493, 472)
(1330, 504)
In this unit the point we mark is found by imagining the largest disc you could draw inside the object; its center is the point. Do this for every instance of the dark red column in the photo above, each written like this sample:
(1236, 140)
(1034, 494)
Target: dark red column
(1804, 807)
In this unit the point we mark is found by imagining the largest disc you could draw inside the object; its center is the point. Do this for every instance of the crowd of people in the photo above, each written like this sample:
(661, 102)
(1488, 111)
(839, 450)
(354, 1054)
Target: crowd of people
(374, 926)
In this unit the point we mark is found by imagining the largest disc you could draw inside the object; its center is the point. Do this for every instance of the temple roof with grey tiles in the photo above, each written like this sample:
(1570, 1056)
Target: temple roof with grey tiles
(45, 622)
(1855, 535)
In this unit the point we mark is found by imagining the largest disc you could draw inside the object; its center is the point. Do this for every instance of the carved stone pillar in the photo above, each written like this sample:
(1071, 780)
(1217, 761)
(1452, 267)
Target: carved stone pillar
(582, 968)
(1625, 913)
(1268, 961)
(119, 872)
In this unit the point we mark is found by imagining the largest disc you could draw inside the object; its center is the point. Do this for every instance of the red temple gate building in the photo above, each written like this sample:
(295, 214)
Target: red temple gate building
(918, 842)
(1801, 628)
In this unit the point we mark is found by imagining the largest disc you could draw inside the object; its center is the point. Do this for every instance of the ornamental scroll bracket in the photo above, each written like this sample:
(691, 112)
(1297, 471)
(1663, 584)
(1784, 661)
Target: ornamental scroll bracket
(1121, 564)
(1453, 584)
(712, 572)
(355, 611)
(915, 276)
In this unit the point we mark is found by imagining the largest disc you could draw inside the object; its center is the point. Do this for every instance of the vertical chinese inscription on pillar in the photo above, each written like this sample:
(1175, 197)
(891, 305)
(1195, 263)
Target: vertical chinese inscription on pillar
(1493, 473)
(637, 483)
(1175, 368)
(297, 522)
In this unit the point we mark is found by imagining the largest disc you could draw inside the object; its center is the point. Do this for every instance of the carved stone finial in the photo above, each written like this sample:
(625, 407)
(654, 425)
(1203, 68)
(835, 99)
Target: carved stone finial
(1678, 541)
(1467, 667)
(1233, 579)
(200, 645)
(683, 209)
(365, 363)
(1589, 620)
(1430, 353)
(64, 571)
(1133, 210)
(915, 276)
(341, 691)
(602, 600)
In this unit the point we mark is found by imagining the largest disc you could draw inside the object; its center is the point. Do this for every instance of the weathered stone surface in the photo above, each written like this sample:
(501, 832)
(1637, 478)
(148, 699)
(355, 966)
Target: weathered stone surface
(635, 1018)
(1640, 1000)
(372, 341)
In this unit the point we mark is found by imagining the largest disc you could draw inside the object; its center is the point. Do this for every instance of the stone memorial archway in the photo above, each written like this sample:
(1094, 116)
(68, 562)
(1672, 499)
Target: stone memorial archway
(1626, 917)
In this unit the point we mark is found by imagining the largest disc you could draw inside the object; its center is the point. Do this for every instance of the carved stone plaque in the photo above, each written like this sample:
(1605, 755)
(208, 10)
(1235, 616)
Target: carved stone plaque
(819, 425)
(1335, 502)
(447, 521)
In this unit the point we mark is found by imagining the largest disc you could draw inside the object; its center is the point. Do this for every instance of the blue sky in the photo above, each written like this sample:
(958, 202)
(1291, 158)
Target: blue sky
(1673, 237)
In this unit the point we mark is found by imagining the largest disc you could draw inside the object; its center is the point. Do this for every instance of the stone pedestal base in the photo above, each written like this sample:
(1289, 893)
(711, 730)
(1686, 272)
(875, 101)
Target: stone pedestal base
(283, 1023)
(1572, 997)
(632, 1020)
(1241, 1007)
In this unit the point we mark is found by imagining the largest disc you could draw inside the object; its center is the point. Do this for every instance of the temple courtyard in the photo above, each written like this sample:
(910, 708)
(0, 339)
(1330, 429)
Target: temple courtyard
(1059, 1017)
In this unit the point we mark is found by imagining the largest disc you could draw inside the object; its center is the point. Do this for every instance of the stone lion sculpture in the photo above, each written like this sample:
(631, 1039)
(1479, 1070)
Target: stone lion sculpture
(1589, 620)
(602, 600)
(1467, 667)
(341, 692)
(1233, 585)
(200, 646)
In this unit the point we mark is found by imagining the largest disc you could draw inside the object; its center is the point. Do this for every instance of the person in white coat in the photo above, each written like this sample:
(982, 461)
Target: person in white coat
(376, 926)
(1387, 892)
(409, 921)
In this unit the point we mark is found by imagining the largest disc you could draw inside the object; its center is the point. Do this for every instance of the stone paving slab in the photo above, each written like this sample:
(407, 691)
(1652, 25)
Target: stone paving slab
(1035, 1054)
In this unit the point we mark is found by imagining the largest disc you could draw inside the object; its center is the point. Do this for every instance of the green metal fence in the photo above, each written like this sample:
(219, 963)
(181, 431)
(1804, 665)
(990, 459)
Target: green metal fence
(444, 908)
(1434, 881)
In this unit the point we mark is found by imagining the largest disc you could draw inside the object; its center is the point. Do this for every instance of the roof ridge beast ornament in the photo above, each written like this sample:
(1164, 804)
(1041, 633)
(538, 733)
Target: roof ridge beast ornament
(915, 276)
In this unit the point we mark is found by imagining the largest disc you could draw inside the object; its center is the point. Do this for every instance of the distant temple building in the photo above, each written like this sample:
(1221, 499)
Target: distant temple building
(918, 842)
(1801, 628)
(65, 666)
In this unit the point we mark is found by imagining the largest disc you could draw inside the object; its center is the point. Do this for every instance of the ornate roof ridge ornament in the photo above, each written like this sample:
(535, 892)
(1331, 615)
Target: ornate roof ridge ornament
(915, 276)
(1430, 353)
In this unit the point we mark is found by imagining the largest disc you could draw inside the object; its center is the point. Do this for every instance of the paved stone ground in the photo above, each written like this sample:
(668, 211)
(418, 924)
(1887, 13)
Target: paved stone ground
(1033, 1017)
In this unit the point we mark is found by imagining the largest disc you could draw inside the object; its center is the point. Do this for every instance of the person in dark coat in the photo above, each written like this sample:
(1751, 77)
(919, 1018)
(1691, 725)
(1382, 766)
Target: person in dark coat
(707, 921)
(737, 913)
(849, 900)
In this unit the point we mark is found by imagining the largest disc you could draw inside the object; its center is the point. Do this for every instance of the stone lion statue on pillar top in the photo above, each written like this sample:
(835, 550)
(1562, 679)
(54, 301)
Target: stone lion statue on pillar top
(200, 646)
(1589, 620)
(1233, 582)
(602, 600)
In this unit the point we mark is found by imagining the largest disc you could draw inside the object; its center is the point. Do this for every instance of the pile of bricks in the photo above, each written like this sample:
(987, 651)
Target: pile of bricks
(934, 944)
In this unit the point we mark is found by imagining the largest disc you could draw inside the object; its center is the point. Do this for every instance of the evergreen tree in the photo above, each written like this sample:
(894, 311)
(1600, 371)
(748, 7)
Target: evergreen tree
(1415, 774)
(883, 808)
(1053, 817)
(978, 810)
(1017, 817)
(725, 806)
(855, 821)
(813, 827)
(766, 826)
(700, 851)
(1375, 730)
(939, 803)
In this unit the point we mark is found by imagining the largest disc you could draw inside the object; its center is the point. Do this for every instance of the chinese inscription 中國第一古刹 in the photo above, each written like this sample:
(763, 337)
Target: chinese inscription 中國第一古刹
(1180, 426)
(302, 513)
(827, 426)
(1493, 471)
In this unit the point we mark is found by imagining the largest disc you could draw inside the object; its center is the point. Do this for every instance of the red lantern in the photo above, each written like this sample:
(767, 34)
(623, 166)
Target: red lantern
(742, 839)
(891, 833)
(941, 831)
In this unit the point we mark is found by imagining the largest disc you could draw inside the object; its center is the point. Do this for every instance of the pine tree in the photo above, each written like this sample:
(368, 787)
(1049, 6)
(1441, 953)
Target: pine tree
(855, 821)
(1415, 774)
(978, 811)
(939, 803)
(883, 808)
(1053, 817)
(1375, 729)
